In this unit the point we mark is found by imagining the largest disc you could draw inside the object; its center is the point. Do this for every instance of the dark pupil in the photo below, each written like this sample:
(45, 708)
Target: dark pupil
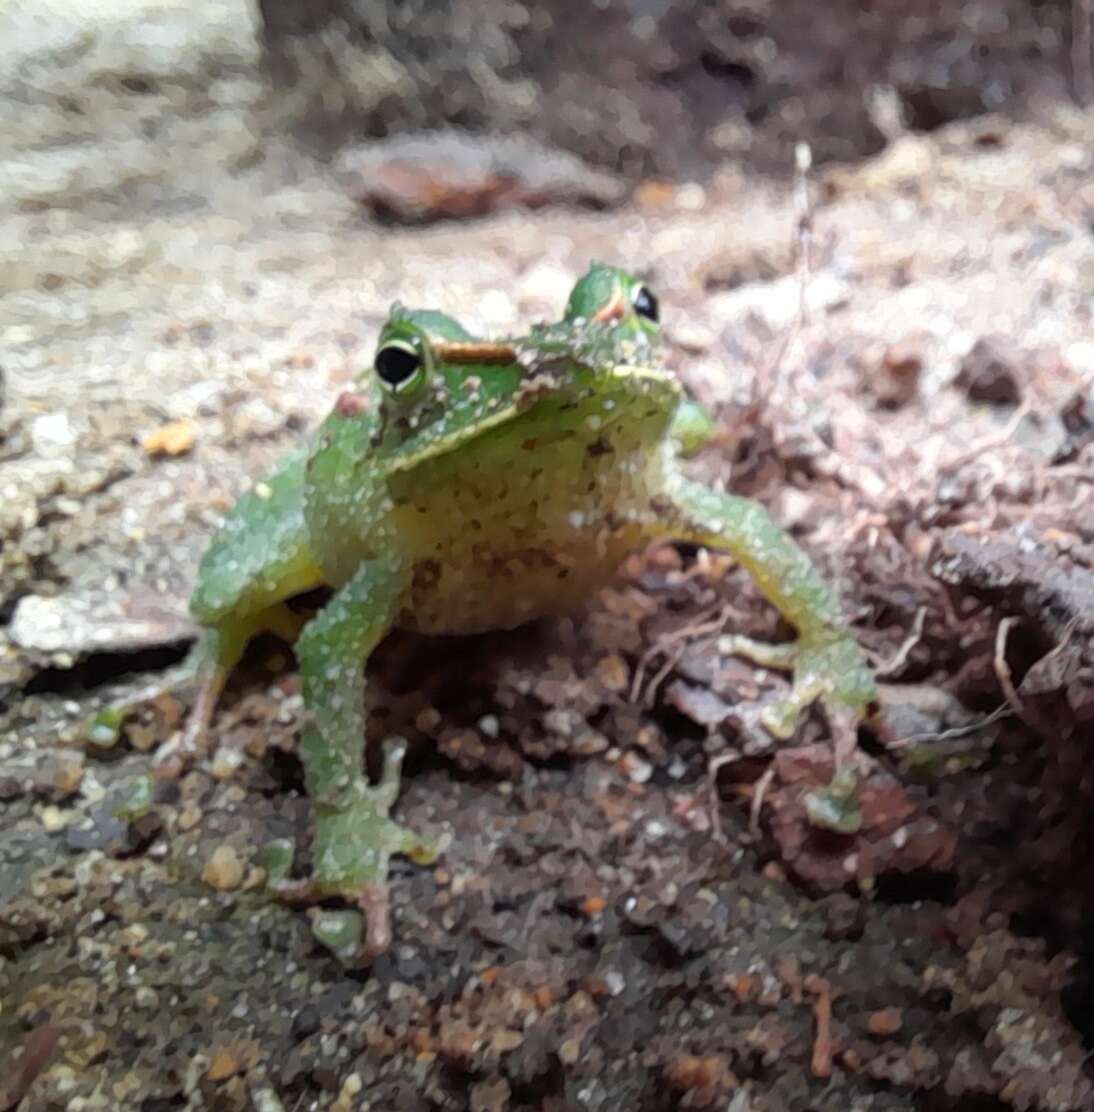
(645, 304)
(395, 364)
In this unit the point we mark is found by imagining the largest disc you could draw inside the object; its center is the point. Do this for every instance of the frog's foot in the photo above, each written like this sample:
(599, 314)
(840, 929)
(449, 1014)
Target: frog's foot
(826, 666)
(351, 850)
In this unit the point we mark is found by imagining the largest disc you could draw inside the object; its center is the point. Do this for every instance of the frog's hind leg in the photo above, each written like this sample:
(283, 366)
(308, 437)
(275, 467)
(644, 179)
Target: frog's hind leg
(205, 672)
(211, 662)
(354, 837)
(826, 662)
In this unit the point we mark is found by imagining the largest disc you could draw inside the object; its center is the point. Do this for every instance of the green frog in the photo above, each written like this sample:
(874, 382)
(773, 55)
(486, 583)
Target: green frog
(465, 485)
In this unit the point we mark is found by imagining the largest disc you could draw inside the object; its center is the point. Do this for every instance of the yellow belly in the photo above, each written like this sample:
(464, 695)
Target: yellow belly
(519, 529)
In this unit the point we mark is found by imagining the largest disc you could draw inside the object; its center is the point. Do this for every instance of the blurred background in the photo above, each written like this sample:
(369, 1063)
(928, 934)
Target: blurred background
(206, 210)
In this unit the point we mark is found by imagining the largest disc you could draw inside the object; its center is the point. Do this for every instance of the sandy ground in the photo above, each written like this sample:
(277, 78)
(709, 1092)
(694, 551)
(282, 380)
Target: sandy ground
(587, 941)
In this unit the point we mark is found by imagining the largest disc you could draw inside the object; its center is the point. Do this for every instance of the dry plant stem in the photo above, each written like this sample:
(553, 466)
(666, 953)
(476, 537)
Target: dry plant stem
(827, 462)
(704, 624)
(900, 657)
(990, 443)
(1082, 50)
(803, 163)
(769, 375)
(821, 1063)
(1002, 711)
(715, 766)
(759, 792)
(1002, 669)
(650, 696)
(468, 351)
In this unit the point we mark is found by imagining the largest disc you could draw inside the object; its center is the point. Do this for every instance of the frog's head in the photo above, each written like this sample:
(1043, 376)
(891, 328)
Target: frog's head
(439, 388)
(609, 297)
(609, 333)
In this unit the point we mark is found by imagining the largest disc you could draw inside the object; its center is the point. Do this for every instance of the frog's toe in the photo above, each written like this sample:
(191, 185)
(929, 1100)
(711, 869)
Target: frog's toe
(356, 937)
(352, 849)
(830, 669)
(779, 656)
(781, 716)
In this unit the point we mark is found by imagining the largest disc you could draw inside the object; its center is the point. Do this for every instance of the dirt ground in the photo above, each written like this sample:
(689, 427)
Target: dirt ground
(633, 912)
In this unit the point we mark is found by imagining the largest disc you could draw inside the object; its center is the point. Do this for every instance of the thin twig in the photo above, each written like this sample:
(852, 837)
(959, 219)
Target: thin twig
(713, 768)
(691, 629)
(758, 794)
(990, 443)
(1002, 668)
(1082, 56)
(821, 1062)
(38, 1047)
(900, 657)
(803, 265)
(803, 163)
(650, 697)
(1065, 637)
(1004, 710)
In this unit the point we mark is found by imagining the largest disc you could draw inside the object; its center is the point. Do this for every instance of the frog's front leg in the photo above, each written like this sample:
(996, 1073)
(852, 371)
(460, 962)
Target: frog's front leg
(826, 662)
(354, 838)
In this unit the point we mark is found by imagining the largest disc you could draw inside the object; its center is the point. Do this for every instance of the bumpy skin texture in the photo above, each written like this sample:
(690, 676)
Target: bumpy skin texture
(464, 486)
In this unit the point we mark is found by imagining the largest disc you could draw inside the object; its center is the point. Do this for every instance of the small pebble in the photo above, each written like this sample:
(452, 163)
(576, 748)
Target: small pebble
(225, 1063)
(189, 817)
(54, 819)
(255, 878)
(224, 870)
(351, 1087)
(612, 672)
(146, 998)
(569, 1052)
(225, 763)
(887, 1021)
(635, 768)
(172, 439)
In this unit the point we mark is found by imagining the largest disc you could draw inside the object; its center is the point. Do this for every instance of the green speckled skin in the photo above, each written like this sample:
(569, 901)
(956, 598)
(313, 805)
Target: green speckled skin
(462, 487)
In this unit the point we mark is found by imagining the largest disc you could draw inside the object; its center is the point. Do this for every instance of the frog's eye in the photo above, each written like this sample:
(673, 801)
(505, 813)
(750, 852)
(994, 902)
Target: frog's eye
(645, 304)
(400, 365)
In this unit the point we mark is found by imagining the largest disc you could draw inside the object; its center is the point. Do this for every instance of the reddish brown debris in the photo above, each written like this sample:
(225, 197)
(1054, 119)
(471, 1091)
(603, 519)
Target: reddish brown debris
(896, 834)
(821, 1062)
(37, 1050)
(350, 404)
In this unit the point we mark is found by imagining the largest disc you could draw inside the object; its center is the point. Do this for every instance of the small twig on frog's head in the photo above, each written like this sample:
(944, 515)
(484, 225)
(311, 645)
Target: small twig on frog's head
(474, 351)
